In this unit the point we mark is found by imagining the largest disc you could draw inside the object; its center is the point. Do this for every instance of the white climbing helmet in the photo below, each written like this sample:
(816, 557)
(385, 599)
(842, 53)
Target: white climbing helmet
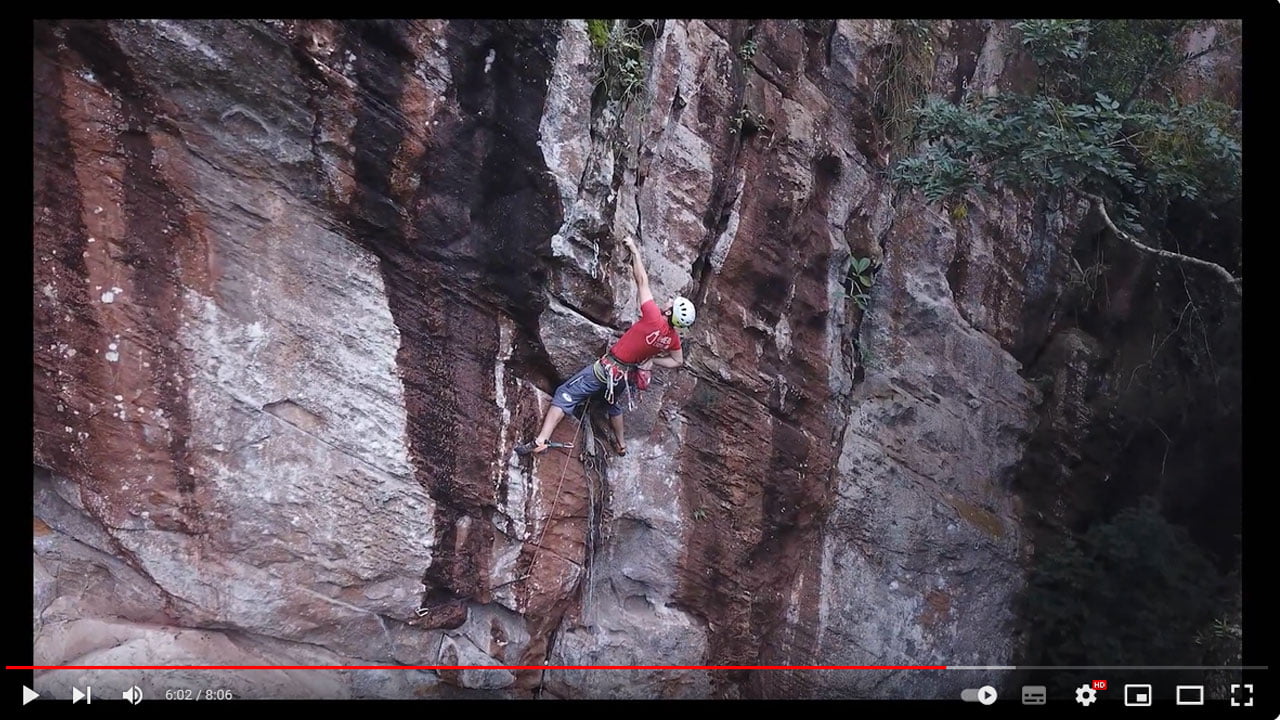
(682, 313)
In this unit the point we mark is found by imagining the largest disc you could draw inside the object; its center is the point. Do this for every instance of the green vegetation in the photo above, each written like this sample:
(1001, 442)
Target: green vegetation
(906, 72)
(1058, 47)
(1154, 153)
(748, 122)
(598, 31)
(618, 45)
(1085, 128)
(859, 277)
(1117, 57)
(1131, 591)
(1220, 642)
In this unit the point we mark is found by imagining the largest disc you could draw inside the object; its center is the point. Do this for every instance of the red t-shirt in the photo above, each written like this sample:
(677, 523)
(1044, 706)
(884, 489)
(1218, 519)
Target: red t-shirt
(648, 337)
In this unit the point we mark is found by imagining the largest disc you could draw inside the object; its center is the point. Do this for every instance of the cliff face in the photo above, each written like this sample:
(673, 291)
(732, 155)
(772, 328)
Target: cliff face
(300, 287)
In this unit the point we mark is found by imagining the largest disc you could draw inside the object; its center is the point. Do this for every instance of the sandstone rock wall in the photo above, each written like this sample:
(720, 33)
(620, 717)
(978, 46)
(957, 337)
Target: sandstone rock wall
(301, 286)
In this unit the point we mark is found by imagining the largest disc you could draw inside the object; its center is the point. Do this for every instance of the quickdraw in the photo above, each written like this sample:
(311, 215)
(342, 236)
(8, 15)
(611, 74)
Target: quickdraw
(528, 447)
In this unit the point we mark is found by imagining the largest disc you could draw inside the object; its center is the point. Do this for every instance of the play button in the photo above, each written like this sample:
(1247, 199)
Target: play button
(28, 694)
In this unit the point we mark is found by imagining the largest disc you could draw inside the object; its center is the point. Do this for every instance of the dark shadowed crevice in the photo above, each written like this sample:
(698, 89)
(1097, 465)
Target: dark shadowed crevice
(1141, 382)
(958, 270)
(724, 167)
(1045, 267)
(967, 38)
(468, 245)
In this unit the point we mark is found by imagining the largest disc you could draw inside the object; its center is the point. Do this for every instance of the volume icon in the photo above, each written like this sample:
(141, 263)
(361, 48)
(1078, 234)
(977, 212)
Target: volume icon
(133, 695)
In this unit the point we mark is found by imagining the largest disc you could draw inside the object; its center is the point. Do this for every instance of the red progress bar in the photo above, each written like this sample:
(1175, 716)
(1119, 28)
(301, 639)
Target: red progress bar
(475, 667)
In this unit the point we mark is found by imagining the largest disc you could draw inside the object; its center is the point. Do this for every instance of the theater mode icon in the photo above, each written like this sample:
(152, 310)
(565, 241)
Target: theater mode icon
(1190, 695)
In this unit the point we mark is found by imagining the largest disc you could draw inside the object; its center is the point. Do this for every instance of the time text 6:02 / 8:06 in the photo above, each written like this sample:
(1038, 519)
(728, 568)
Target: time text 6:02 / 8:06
(197, 695)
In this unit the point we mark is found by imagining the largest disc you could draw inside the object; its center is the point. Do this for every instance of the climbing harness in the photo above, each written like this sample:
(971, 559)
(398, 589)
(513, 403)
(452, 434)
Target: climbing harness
(611, 371)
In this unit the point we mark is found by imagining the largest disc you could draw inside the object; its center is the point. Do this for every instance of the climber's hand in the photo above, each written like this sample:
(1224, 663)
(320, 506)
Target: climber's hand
(630, 242)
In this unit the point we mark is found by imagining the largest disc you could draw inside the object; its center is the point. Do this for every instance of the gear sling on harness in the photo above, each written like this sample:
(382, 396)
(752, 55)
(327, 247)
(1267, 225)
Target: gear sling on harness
(611, 371)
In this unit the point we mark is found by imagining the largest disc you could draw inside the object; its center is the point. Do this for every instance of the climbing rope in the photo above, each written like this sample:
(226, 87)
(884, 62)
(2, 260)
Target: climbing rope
(590, 465)
(537, 546)
(592, 469)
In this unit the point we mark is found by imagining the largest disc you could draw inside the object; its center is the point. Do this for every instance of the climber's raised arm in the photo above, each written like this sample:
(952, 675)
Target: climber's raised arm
(637, 269)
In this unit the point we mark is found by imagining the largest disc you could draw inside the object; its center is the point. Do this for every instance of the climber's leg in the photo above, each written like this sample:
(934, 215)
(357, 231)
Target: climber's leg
(571, 393)
(615, 420)
(549, 423)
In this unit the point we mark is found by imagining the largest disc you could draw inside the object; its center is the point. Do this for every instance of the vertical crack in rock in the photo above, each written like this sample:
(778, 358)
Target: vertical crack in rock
(966, 37)
(723, 198)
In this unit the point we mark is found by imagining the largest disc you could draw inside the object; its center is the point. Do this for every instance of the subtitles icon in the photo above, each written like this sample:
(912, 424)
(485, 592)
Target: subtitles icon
(1034, 694)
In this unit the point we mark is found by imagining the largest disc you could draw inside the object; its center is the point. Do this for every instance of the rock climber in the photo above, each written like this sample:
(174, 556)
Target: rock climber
(653, 340)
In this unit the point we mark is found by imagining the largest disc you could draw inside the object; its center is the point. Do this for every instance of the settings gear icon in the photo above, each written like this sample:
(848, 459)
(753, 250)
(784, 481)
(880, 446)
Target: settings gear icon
(1086, 695)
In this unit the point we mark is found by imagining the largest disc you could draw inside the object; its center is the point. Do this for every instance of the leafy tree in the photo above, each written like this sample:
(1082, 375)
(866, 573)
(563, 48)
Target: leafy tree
(1132, 591)
(1086, 128)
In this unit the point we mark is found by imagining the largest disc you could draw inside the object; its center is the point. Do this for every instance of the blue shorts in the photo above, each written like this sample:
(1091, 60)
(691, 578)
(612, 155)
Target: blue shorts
(585, 385)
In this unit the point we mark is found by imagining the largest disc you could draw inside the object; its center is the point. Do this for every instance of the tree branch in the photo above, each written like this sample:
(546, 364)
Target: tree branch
(1231, 280)
(1212, 48)
(1159, 69)
(1156, 68)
